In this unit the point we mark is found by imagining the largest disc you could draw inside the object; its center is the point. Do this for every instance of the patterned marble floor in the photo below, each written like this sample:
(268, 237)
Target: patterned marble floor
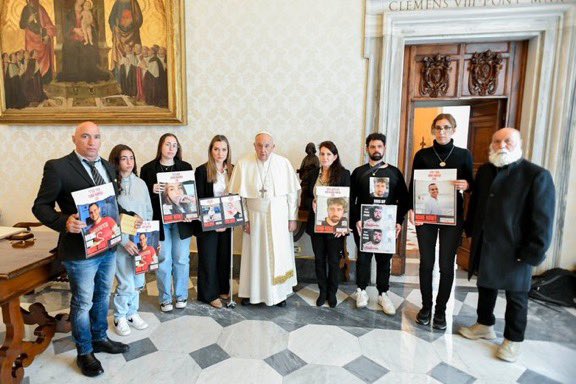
(305, 344)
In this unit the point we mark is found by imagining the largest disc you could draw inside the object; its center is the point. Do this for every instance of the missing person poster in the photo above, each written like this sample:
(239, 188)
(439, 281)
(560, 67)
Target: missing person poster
(435, 196)
(378, 228)
(147, 240)
(178, 200)
(332, 209)
(97, 207)
(221, 212)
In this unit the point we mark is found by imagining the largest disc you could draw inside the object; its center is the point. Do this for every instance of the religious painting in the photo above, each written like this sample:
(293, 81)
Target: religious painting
(109, 61)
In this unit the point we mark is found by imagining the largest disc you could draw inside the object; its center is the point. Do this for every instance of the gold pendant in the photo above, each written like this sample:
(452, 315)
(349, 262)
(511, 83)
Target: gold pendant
(442, 164)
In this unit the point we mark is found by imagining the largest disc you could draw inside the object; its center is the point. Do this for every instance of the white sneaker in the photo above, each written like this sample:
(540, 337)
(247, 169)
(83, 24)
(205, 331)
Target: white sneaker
(478, 331)
(166, 307)
(180, 304)
(508, 350)
(137, 322)
(386, 304)
(361, 298)
(121, 326)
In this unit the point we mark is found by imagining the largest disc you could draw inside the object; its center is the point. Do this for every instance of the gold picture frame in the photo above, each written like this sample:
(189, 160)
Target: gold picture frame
(60, 100)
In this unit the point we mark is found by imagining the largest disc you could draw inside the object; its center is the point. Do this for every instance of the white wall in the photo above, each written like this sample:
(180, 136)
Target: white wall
(294, 68)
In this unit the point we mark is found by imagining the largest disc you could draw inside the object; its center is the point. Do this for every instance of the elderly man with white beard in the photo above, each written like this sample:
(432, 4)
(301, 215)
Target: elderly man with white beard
(510, 220)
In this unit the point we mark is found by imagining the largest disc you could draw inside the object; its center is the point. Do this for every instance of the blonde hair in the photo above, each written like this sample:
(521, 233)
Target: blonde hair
(211, 169)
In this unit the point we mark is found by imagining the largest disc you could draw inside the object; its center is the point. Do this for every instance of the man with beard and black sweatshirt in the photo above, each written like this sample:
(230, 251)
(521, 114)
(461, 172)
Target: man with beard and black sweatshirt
(397, 194)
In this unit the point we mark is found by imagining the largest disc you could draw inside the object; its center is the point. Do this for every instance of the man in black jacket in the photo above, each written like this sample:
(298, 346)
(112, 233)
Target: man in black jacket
(510, 219)
(376, 170)
(90, 278)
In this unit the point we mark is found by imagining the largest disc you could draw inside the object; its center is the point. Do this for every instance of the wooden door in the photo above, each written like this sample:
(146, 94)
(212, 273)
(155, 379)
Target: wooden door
(486, 117)
(488, 76)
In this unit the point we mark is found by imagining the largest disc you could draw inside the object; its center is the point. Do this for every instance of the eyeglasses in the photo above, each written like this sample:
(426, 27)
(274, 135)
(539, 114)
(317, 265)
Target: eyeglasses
(446, 128)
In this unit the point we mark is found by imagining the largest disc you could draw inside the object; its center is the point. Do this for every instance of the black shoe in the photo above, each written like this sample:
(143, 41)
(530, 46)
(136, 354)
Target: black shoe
(321, 299)
(439, 321)
(245, 301)
(109, 346)
(281, 304)
(332, 302)
(89, 365)
(423, 317)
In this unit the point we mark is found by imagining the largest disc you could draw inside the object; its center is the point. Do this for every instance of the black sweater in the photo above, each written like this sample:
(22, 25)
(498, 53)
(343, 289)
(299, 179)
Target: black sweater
(460, 159)
(148, 174)
(360, 191)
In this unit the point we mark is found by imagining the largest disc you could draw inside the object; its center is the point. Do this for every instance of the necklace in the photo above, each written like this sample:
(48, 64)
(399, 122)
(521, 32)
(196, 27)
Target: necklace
(377, 166)
(442, 162)
(263, 178)
(166, 168)
(321, 178)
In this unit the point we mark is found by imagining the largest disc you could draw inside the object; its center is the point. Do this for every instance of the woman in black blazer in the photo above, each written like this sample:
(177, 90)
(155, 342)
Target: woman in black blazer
(328, 248)
(214, 246)
(174, 258)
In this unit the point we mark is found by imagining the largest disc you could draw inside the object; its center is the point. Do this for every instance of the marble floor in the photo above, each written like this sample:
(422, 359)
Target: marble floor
(305, 344)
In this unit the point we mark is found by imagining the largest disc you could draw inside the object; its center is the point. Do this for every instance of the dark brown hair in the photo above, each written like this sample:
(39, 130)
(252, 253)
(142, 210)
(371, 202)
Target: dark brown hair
(114, 159)
(161, 143)
(336, 168)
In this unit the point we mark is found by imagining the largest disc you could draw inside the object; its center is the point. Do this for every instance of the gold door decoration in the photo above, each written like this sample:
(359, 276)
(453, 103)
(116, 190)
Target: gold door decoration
(116, 62)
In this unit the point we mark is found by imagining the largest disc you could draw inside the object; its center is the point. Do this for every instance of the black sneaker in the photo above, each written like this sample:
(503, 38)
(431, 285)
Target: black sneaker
(423, 317)
(439, 321)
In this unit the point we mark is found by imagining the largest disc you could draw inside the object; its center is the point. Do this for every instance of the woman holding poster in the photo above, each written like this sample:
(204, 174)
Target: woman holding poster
(328, 248)
(441, 155)
(133, 197)
(175, 238)
(214, 246)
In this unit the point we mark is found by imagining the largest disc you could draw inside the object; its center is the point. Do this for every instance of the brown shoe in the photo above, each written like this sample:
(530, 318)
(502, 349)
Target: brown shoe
(216, 303)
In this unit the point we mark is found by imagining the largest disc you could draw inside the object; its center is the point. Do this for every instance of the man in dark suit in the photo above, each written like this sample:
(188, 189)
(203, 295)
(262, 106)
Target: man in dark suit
(90, 278)
(510, 220)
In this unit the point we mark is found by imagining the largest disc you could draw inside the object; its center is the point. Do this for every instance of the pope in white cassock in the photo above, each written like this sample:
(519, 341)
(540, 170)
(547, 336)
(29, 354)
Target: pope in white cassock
(268, 184)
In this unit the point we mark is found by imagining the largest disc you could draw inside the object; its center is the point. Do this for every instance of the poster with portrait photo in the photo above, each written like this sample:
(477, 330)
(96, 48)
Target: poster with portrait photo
(147, 239)
(233, 210)
(221, 212)
(379, 187)
(435, 196)
(97, 207)
(211, 215)
(378, 228)
(332, 209)
(178, 200)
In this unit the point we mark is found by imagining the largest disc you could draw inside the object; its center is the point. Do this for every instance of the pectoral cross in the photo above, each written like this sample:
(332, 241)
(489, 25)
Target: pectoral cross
(262, 191)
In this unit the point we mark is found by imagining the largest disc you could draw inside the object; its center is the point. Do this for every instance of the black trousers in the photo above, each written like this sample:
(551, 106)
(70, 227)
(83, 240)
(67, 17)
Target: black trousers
(363, 263)
(449, 237)
(213, 265)
(516, 311)
(327, 251)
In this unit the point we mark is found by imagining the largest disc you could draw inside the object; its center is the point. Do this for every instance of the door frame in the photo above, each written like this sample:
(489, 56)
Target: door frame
(547, 117)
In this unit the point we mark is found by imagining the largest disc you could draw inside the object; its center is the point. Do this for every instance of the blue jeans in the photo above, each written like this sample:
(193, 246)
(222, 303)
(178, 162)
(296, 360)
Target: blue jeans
(174, 261)
(127, 298)
(90, 285)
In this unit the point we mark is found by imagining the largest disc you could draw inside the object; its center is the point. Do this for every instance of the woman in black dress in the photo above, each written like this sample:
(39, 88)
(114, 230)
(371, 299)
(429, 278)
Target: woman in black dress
(214, 246)
(441, 155)
(328, 248)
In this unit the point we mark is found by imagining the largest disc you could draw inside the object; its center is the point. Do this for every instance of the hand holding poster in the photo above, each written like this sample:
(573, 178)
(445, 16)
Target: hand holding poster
(435, 196)
(221, 212)
(97, 207)
(178, 200)
(332, 209)
(147, 240)
(378, 228)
